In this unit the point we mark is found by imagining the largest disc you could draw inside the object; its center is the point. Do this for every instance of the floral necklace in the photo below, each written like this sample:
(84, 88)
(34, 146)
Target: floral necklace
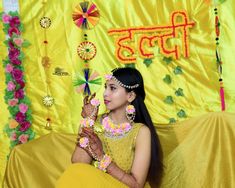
(115, 130)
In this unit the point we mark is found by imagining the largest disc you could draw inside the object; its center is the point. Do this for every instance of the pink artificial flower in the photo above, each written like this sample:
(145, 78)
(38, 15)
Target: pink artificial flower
(84, 141)
(18, 41)
(108, 76)
(16, 61)
(23, 108)
(95, 102)
(24, 126)
(13, 102)
(6, 18)
(17, 74)
(13, 136)
(87, 122)
(21, 83)
(11, 86)
(9, 68)
(14, 21)
(23, 138)
(10, 44)
(13, 53)
(19, 94)
(130, 109)
(20, 117)
(12, 30)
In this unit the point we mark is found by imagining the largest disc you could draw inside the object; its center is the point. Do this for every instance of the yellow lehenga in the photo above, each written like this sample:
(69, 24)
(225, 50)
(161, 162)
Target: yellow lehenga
(121, 150)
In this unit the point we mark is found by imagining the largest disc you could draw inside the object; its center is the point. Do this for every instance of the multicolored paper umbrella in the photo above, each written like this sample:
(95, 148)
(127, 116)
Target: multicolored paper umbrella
(86, 50)
(86, 15)
(88, 81)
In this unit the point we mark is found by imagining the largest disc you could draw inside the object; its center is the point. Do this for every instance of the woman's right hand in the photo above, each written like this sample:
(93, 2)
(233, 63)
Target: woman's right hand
(88, 109)
(94, 147)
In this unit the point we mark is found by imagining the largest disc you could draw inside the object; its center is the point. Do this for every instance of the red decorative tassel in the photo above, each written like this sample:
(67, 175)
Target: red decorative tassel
(217, 31)
(222, 95)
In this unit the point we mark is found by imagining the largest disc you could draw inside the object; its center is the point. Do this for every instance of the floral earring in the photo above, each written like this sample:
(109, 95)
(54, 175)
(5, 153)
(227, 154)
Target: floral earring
(130, 113)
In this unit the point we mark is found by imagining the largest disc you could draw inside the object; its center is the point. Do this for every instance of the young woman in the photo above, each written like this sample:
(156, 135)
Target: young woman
(119, 148)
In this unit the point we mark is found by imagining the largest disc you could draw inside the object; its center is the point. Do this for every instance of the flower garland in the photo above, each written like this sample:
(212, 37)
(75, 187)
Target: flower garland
(113, 130)
(18, 128)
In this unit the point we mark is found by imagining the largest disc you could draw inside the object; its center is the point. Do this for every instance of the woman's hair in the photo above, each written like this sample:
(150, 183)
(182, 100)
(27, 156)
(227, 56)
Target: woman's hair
(131, 77)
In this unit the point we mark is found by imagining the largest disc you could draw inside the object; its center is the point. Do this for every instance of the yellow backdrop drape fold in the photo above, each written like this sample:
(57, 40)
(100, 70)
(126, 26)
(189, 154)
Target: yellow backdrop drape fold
(198, 153)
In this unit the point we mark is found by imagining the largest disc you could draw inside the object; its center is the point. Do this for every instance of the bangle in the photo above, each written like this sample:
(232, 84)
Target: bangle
(92, 154)
(103, 163)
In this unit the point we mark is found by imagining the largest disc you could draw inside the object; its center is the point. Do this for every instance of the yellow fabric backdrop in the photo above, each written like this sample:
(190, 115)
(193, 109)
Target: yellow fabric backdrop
(199, 79)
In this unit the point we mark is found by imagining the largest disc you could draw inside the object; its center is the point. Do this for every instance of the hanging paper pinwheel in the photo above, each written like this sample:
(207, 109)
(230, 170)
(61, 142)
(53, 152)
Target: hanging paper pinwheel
(86, 50)
(87, 81)
(86, 16)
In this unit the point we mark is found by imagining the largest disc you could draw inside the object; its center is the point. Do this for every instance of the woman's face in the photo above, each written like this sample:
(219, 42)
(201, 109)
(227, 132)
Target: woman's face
(115, 96)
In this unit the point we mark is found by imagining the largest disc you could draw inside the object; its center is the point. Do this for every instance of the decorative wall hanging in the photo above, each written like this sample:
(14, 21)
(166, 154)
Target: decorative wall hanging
(47, 100)
(86, 16)
(86, 51)
(19, 126)
(87, 81)
(126, 52)
(217, 52)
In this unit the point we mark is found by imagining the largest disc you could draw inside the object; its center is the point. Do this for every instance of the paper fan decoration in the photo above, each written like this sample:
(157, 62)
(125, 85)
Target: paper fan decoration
(86, 15)
(88, 81)
(86, 50)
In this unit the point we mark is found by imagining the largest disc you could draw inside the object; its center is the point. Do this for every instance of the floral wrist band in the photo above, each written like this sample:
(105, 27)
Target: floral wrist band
(87, 122)
(84, 143)
(103, 163)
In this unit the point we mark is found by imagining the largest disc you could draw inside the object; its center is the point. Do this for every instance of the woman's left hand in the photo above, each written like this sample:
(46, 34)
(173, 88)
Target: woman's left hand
(95, 147)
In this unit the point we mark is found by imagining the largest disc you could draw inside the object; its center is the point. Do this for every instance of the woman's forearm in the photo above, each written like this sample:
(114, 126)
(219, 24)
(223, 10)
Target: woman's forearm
(122, 176)
(80, 156)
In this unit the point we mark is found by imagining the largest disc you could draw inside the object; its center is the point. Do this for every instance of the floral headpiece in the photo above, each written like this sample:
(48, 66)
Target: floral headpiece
(110, 76)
